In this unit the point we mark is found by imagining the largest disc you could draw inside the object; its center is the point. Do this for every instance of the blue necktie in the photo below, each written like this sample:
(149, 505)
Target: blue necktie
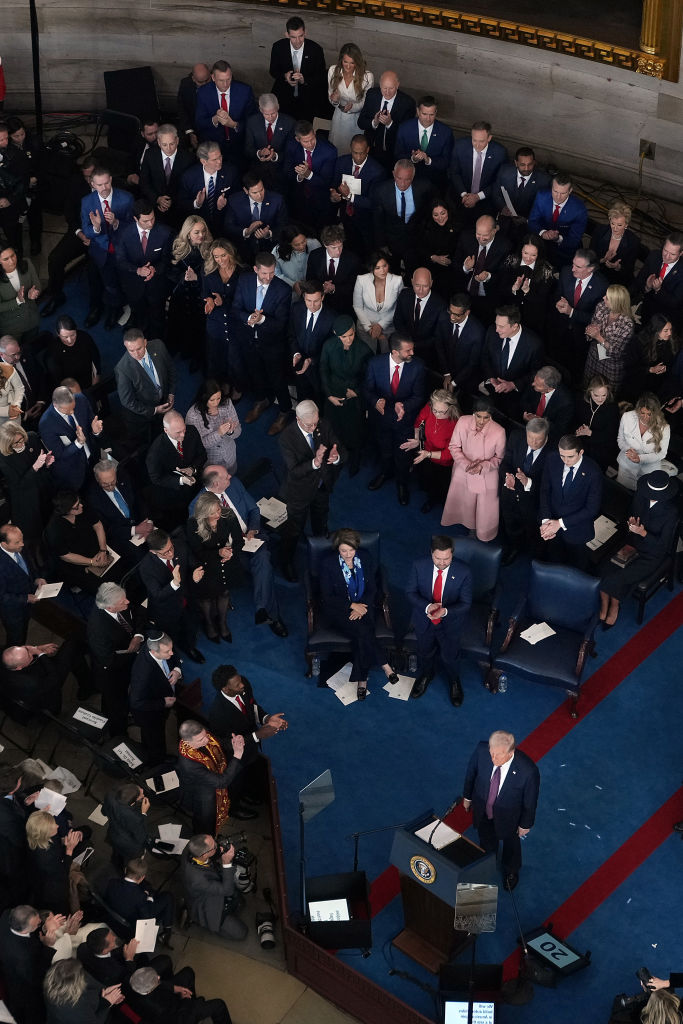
(121, 503)
(528, 463)
(259, 297)
(255, 212)
(164, 665)
(311, 442)
(568, 480)
(149, 369)
(72, 422)
(211, 193)
(309, 326)
(20, 562)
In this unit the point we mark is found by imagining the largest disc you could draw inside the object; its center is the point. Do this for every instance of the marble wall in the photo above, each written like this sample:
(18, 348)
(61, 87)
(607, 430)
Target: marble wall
(581, 116)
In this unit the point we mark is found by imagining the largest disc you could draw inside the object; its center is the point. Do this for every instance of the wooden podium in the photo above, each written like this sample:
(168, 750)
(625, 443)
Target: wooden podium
(429, 884)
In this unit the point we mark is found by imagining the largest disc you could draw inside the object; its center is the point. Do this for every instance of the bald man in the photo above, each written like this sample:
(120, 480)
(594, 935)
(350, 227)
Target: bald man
(478, 262)
(385, 108)
(421, 315)
(174, 462)
(187, 102)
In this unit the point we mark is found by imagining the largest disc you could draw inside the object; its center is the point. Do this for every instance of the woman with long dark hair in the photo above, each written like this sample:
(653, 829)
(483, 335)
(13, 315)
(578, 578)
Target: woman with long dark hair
(214, 416)
(527, 281)
(348, 81)
(291, 256)
(435, 242)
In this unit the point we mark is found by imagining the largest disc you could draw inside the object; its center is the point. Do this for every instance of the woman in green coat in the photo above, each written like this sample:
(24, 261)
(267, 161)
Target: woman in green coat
(342, 370)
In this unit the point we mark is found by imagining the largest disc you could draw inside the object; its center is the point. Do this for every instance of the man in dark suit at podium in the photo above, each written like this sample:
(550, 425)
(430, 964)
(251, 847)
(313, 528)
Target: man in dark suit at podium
(503, 798)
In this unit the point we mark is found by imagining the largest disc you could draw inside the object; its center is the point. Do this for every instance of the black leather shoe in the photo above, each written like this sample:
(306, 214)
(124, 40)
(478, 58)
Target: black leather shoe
(289, 573)
(53, 304)
(214, 639)
(403, 494)
(261, 616)
(242, 814)
(377, 482)
(278, 627)
(165, 938)
(509, 556)
(427, 507)
(420, 685)
(511, 881)
(678, 827)
(93, 316)
(392, 677)
(111, 317)
(227, 636)
(195, 655)
(456, 694)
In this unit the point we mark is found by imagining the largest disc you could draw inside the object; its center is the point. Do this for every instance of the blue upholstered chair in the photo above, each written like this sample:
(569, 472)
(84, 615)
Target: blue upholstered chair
(568, 600)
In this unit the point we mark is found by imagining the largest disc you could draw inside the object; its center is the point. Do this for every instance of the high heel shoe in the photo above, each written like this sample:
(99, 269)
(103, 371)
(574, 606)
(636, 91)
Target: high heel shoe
(227, 636)
(362, 692)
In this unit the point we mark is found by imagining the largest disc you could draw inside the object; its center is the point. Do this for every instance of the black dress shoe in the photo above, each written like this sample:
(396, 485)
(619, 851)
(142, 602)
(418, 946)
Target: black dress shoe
(678, 827)
(278, 627)
(392, 677)
(261, 616)
(53, 304)
(420, 685)
(214, 639)
(289, 573)
(377, 482)
(227, 636)
(427, 507)
(403, 494)
(607, 625)
(509, 556)
(242, 814)
(511, 881)
(93, 316)
(195, 655)
(456, 694)
(165, 938)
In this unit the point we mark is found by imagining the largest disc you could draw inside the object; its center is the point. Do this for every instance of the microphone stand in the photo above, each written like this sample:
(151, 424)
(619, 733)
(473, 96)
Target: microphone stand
(519, 990)
(440, 821)
(368, 832)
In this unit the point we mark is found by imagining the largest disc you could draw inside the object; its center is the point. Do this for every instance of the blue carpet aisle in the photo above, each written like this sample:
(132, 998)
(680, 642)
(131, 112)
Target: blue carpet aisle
(391, 760)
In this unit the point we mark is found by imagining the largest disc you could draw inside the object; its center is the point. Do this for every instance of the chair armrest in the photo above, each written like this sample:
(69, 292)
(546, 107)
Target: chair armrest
(494, 614)
(585, 645)
(512, 624)
(384, 598)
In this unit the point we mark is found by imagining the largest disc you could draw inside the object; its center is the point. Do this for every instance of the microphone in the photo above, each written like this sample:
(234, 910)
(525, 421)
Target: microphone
(439, 821)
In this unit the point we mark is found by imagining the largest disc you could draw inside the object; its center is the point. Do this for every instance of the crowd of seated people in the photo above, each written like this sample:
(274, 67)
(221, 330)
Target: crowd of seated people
(436, 308)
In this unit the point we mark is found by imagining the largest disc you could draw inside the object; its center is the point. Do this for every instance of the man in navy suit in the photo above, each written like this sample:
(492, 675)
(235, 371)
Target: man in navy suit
(206, 187)
(19, 581)
(174, 463)
(428, 143)
(660, 281)
(143, 256)
(135, 900)
(310, 325)
(560, 218)
(187, 102)
(162, 169)
(459, 345)
(419, 316)
(579, 289)
(69, 430)
(110, 496)
(385, 109)
(548, 397)
(232, 493)
(167, 577)
(336, 266)
(299, 70)
(259, 314)
(355, 208)
(395, 388)
(254, 217)
(511, 355)
(266, 139)
(520, 483)
(440, 592)
(501, 785)
(104, 213)
(474, 167)
(395, 204)
(571, 492)
(153, 679)
(309, 171)
(522, 180)
(223, 106)
(478, 263)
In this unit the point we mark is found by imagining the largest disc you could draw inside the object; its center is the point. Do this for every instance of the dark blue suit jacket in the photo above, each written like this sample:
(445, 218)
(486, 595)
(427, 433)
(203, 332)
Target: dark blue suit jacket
(241, 499)
(313, 194)
(238, 216)
(116, 526)
(71, 464)
(456, 596)
(276, 306)
(423, 332)
(523, 199)
(590, 296)
(371, 173)
(334, 593)
(256, 139)
(411, 389)
(462, 166)
(15, 586)
(129, 258)
(462, 359)
(571, 223)
(297, 330)
(439, 149)
(527, 357)
(122, 207)
(192, 182)
(579, 506)
(515, 805)
(242, 106)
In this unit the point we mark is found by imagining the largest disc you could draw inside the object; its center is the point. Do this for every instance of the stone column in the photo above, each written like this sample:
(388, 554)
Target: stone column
(651, 26)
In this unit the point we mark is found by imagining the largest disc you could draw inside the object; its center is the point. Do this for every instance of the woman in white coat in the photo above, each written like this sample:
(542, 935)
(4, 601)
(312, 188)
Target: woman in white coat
(374, 303)
(347, 81)
(11, 394)
(643, 441)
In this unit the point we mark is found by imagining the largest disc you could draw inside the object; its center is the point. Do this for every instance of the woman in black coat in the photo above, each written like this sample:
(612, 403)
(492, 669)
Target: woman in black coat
(527, 282)
(24, 465)
(348, 591)
(73, 997)
(72, 353)
(49, 859)
(435, 242)
(616, 246)
(597, 421)
(215, 540)
(649, 359)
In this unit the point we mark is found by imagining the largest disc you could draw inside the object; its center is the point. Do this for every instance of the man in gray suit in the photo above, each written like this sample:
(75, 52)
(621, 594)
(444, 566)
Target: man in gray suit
(145, 381)
(209, 882)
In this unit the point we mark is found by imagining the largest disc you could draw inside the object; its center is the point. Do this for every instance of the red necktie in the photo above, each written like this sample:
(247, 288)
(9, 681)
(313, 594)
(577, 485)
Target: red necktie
(223, 501)
(556, 214)
(540, 408)
(241, 703)
(577, 294)
(662, 272)
(269, 134)
(330, 271)
(169, 564)
(309, 159)
(438, 592)
(180, 449)
(143, 241)
(224, 106)
(107, 209)
(395, 381)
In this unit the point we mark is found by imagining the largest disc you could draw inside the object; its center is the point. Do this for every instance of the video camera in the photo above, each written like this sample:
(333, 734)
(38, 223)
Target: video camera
(244, 860)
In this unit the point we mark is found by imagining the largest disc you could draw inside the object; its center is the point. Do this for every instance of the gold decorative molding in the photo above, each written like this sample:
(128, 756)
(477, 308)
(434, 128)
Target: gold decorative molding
(643, 62)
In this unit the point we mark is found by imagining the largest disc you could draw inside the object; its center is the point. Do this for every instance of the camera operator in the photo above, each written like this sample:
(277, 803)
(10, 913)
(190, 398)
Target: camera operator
(210, 887)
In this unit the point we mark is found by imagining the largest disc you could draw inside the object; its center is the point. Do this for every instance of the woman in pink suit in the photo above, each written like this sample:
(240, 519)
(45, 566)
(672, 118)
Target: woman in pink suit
(477, 446)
